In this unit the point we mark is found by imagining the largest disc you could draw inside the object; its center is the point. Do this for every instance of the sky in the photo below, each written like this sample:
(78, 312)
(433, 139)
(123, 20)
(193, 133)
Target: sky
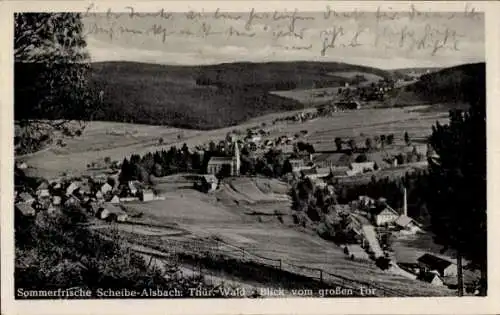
(390, 41)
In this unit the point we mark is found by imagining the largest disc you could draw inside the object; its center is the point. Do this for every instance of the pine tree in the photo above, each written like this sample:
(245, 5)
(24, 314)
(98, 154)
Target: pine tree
(338, 143)
(456, 195)
(407, 138)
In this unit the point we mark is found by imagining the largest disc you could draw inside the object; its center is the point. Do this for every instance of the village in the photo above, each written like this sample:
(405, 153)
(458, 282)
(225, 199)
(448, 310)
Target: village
(367, 223)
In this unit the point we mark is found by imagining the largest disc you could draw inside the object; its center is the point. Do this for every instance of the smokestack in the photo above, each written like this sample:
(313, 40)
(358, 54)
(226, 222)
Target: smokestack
(405, 203)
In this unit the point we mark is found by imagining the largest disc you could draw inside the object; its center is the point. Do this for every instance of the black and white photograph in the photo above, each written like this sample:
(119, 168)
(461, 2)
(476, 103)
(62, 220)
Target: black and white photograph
(251, 154)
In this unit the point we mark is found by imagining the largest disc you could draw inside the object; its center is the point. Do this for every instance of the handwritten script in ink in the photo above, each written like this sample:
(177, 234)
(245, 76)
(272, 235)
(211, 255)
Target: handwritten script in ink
(412, 30)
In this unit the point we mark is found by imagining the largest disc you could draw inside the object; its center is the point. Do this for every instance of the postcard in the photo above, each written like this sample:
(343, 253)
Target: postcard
(310, 157)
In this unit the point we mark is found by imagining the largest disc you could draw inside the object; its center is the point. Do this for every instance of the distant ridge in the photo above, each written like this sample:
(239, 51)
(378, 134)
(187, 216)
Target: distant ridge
(211, 96)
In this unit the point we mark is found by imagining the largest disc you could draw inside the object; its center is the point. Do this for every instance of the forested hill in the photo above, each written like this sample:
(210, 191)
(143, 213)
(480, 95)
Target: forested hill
(454, 85)
(206, 97)
(215, 96)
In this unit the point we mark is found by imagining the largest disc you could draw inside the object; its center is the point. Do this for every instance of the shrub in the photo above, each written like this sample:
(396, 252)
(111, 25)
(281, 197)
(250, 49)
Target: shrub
(56, 251)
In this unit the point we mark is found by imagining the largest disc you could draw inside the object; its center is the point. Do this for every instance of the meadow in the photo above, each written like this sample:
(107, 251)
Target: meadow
(99, 142)
(208, 219)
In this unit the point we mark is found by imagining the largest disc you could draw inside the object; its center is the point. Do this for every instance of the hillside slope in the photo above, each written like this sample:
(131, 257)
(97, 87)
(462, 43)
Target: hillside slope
(452, 86)
(206, 97)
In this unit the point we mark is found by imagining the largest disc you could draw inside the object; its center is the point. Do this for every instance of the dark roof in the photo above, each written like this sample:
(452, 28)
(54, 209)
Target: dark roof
(434, 262)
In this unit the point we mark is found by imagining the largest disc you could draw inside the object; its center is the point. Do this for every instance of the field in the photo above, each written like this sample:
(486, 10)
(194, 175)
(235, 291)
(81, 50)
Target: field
(207, 219)
(318, 96)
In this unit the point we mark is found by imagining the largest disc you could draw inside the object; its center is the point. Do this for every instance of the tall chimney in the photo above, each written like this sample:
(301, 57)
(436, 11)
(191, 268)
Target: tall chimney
(405, 203)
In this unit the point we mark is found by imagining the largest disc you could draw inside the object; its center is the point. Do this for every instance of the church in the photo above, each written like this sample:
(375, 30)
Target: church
(231, 165)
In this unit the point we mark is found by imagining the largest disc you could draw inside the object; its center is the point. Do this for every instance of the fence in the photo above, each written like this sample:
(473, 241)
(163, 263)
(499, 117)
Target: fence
(204, 249)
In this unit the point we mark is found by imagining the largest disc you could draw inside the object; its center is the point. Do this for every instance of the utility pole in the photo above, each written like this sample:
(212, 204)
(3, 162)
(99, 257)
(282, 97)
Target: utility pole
(460, 278)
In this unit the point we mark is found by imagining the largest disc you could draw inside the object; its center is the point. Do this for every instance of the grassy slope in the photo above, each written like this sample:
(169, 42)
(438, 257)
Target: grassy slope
(206, 97)
(449, 86)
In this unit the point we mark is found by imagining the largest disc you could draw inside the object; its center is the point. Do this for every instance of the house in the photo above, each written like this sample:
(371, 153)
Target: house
(22, 165)
(72, 187)
(99, 195)
(102, 213)
(431, 277)
(443, 267)
(43, 190)
(56, 200)
(71, 201)
(208, 183)
(43, 193)
(359, 168)
(255, 139)
(332, 160)
(25, 209)
(407, 223)
(147, 195)
(106, 188)
(122, 217)
(383, 214)
(100, 179)
(114, 200)
(26, 198)
(232, 164)
(111, 211)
